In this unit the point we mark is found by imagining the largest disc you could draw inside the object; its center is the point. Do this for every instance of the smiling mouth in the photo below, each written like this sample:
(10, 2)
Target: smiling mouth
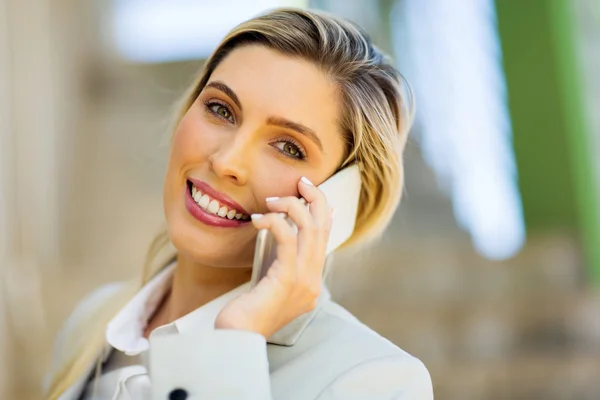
(212, 206)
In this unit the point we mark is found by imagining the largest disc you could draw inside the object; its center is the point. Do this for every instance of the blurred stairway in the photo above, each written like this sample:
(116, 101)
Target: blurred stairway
(525, 328)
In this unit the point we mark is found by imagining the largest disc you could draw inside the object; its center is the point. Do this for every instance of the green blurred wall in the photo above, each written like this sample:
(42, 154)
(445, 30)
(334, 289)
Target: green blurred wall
(551, 139)
(537, 112)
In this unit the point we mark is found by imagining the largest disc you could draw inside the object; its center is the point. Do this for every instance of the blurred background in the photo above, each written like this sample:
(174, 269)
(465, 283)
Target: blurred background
(490, 271)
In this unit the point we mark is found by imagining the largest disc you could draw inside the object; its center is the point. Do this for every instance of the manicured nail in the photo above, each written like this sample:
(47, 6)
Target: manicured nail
(268, 199)
(306, 181)
(256, 216)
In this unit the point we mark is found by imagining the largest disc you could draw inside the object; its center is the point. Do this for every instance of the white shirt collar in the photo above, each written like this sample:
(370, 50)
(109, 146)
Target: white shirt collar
(125, 332)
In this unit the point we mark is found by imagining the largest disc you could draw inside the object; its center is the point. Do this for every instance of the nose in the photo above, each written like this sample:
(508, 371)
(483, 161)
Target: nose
(231, 159)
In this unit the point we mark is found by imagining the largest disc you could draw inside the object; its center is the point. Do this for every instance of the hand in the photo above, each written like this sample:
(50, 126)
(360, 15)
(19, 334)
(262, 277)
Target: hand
(293, 283)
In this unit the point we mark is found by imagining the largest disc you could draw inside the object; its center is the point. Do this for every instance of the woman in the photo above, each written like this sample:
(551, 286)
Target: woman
(288, 98)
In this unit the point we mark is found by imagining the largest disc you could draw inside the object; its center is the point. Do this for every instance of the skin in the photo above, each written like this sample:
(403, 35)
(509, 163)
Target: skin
(246, 153)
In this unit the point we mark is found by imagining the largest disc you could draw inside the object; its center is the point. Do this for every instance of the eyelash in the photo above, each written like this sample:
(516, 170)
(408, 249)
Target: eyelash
(210, 103)
(301, 152)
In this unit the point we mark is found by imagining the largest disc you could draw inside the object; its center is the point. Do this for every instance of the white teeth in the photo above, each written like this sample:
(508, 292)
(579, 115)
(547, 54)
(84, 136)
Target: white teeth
(213, 207)
(197, 196)
(204, 200)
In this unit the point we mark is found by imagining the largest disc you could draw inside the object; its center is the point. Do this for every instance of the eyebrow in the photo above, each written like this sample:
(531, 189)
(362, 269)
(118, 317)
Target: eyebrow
(301, 129)
(227, 90)
(277, 121)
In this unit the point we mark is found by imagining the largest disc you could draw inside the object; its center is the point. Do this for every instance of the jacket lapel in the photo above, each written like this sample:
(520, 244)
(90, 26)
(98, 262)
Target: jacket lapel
(289, 334)
(286, 336)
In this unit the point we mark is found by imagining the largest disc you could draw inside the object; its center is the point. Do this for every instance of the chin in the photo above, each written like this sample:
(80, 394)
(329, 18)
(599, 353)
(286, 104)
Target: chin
(212, 247)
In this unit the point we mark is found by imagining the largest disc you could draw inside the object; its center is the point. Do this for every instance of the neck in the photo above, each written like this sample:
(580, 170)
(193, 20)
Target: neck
(194, 285)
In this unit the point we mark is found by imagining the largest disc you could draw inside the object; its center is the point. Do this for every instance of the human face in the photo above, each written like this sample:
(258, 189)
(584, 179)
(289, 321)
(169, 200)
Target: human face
(263, 121)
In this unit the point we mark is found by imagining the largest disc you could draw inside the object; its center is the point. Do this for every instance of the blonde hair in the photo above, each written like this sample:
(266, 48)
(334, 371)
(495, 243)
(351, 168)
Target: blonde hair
(377, 110)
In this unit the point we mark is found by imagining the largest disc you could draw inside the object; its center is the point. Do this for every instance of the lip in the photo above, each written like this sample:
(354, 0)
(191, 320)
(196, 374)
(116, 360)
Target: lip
(220, 197)
(207, 218)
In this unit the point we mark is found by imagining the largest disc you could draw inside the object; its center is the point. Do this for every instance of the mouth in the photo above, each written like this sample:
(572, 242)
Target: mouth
(213, 208)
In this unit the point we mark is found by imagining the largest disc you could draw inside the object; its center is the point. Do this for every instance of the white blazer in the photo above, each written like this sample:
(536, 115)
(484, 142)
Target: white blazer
(325, 354)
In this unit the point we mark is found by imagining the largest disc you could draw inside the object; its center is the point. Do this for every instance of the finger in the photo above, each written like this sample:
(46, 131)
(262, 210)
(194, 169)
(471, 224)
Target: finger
(295, 208)
(317, 201)
(298, 213)
(284, 235)
(320, 211)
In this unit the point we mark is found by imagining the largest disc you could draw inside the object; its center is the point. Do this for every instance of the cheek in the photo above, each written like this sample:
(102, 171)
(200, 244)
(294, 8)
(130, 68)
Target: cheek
(191, 141)
(189, 149)
(274, 179)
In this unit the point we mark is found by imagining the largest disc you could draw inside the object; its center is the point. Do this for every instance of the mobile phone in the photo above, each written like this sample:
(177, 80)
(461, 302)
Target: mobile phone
(342, 191)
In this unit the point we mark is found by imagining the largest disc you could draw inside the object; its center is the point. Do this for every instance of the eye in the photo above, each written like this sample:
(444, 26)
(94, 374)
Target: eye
(220, 111)
(290, 149)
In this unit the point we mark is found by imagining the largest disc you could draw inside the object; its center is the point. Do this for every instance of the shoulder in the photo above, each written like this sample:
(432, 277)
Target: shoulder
(386, 369)
(346, 330)
(352, 358)
(92, 301)
(88, 306)
(68, 340)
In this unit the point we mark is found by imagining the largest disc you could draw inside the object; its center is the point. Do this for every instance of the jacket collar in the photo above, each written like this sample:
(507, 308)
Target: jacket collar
(125, 331)
(128, 321)
(290, 333)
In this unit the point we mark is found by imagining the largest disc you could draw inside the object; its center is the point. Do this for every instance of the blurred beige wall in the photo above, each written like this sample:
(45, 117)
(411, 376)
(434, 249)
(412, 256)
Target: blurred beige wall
(4, 207)
(38, 107)
(81, 168)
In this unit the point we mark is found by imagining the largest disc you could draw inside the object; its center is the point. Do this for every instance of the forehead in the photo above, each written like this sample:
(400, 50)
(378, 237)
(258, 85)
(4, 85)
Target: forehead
(272, 83)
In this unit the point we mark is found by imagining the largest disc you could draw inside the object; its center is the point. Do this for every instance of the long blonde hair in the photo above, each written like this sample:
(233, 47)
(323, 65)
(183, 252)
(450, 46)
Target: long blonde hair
(377, 113)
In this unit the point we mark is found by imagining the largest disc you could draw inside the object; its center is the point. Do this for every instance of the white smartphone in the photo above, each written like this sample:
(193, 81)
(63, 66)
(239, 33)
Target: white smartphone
(342, 191)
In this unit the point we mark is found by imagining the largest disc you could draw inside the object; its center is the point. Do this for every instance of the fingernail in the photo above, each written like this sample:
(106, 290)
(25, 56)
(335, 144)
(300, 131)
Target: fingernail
(268, 199)
(306, 181)
(333, 214)
(256, 216)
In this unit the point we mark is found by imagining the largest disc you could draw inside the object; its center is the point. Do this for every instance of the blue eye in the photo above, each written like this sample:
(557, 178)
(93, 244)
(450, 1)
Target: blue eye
(220, 111)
